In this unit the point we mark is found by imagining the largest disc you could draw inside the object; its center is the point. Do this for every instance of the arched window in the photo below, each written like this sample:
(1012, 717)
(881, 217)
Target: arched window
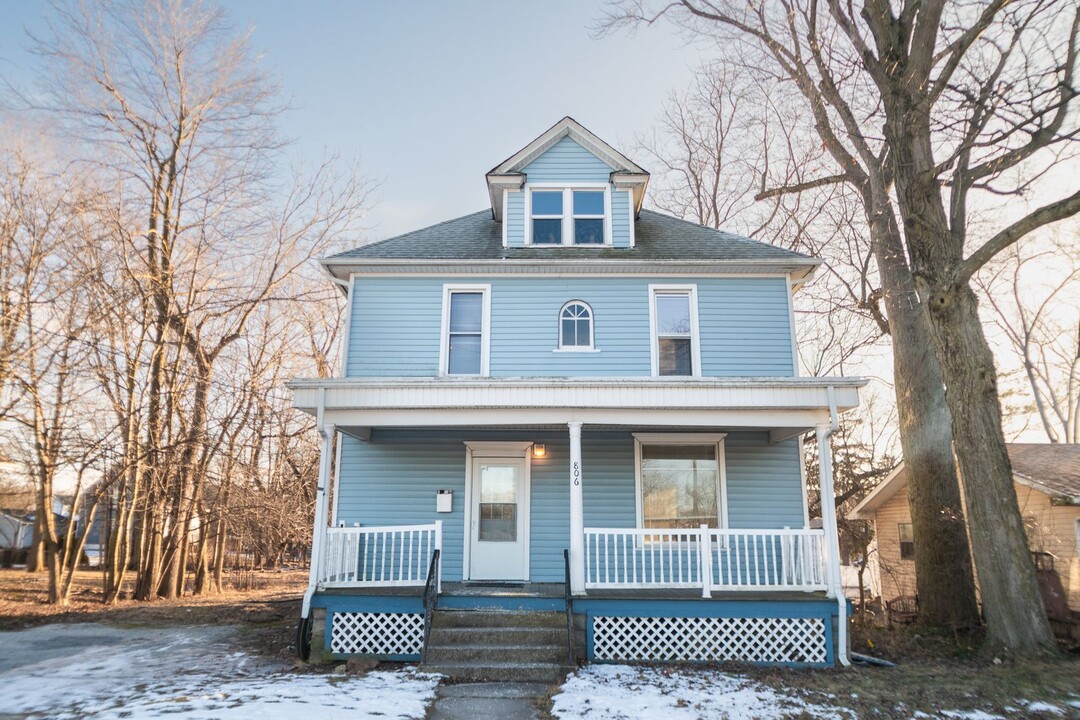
(575, 326)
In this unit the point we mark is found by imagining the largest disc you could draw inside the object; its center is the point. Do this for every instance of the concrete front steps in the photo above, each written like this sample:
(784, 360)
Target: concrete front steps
(498, 646)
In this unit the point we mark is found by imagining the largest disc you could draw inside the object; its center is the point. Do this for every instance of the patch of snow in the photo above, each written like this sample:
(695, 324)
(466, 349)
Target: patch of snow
(970, 715)
(1044, 707)
(621, 692)
(100, 672)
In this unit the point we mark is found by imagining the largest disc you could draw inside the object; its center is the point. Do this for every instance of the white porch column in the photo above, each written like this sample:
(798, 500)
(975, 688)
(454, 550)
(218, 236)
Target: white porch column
(577, 514)
(832, 537)
(322, 500)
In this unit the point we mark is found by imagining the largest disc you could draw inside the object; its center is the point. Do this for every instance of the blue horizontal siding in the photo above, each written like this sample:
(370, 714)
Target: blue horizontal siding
(392, 480)
(744, 324)
(620, 218)
(514, 217)
(567, 162)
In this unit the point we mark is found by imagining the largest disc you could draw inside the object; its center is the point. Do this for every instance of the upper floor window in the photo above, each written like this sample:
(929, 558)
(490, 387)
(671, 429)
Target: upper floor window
(568, 216)
(907, 541)
(465, 335)
(575, 326)
(675, 344)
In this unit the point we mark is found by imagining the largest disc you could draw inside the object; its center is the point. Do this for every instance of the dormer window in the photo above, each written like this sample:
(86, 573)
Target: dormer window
(569, 216)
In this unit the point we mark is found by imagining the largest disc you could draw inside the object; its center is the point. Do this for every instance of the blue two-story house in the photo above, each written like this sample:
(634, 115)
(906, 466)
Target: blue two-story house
(576, 420)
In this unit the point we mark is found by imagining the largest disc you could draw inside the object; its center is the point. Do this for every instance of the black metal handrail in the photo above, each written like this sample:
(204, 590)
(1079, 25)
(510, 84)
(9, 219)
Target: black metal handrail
(569, 610)
(431, 600)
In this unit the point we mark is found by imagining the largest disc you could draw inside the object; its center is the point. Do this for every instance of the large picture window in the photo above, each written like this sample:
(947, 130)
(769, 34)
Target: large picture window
(465, 331)
(680, 482)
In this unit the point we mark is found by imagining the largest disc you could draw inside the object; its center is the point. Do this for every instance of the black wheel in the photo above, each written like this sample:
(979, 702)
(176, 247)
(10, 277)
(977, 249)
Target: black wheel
(303, 638)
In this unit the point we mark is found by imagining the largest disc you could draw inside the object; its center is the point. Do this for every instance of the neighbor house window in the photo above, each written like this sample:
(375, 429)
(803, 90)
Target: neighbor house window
(674, 329)
(907, 541)
(568, 216)
(681, 482)
(465, 331)
(575, 326)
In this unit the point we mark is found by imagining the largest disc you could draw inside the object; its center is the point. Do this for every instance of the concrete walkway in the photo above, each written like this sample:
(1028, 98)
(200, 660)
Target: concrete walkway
(490, 701)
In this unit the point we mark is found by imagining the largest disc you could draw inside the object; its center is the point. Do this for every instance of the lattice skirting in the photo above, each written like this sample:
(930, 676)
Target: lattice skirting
(367, 633)
(757, 640)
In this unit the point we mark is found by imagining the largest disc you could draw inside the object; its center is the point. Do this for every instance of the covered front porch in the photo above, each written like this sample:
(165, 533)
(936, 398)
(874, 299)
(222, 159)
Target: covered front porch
(504, 507)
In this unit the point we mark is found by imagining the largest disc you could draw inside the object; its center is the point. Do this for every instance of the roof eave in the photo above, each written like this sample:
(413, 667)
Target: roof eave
(798, 268)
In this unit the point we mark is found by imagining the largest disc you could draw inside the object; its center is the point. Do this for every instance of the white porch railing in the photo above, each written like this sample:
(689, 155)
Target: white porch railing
(705, 558)
(391, 556)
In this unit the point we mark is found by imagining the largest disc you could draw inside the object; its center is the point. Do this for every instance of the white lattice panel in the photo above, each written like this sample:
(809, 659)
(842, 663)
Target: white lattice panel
(361, 633)
(759, 640)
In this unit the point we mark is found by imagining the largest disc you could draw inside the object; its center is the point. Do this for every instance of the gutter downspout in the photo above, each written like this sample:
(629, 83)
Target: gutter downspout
(318, 532)
(828, 516)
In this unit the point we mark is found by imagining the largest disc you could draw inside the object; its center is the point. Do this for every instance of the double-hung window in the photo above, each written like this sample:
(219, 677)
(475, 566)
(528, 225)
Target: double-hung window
(465, 335)
(907, 541)
(675, 344)
(568, 216)
(680, 481)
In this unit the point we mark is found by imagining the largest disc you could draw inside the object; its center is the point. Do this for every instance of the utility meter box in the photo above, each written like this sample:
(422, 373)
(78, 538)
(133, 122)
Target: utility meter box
(444, 501)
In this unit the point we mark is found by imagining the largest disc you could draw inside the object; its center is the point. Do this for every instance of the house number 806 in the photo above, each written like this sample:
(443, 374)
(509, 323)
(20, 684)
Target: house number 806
(577, 473)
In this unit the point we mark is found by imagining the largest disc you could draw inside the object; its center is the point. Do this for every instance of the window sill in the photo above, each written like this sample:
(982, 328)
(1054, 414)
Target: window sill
(576, 350)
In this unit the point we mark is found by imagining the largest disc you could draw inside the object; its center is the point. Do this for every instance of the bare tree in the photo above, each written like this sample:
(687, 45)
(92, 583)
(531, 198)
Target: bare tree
(847, 217)
(1032, 295)
(936, 100)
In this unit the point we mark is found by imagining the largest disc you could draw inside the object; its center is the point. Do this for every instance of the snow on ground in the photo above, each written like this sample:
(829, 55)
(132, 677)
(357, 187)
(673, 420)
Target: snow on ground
(621, 692)
(101, 672)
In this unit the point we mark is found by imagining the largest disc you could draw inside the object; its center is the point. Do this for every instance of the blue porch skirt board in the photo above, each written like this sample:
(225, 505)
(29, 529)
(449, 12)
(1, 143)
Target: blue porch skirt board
(791, 633)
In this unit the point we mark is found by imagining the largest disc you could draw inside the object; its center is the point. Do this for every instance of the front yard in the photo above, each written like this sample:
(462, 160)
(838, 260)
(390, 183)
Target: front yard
(230, 657)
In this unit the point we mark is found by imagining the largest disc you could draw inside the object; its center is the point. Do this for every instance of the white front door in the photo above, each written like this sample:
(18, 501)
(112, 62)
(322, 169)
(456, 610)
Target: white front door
(499, 508)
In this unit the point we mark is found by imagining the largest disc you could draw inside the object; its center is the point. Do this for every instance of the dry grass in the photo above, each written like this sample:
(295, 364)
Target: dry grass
(272, 596)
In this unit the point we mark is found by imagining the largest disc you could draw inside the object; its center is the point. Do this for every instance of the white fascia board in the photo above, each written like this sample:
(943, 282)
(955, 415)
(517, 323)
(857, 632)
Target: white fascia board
(755, 402)
(496, 185)
(868, 506)
(342, 267)
(567, 127)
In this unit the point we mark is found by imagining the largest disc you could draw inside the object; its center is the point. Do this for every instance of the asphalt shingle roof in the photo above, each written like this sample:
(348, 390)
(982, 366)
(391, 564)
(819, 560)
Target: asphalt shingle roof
(1056, 466)
(657, 237)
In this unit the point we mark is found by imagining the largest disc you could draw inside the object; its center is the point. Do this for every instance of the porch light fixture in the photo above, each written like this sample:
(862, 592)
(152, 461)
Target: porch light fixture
(539, 450)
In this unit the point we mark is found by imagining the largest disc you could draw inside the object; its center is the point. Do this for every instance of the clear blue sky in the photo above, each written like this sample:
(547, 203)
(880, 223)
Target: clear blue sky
(431, 95)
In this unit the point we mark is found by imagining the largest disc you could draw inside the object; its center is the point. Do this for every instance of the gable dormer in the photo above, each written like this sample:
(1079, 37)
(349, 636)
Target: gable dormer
(567, 188)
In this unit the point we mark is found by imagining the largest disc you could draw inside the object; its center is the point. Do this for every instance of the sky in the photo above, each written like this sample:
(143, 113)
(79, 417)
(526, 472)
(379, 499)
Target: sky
(442, 90)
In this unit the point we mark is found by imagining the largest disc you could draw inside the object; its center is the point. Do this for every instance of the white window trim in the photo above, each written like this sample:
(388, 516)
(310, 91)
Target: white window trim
(695, 334)
(592, 328)
(485, 329)
(568, 211)
(683, 439)
(510, 450)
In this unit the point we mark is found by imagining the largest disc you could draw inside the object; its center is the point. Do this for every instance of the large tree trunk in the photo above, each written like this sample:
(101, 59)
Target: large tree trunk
(944, 579)
(1015, 617)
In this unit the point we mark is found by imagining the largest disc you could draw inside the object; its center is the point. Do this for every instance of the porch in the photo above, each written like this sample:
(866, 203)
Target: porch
(741, 576)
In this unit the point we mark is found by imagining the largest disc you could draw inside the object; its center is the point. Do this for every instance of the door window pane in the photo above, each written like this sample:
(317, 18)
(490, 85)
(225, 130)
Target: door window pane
(498, 503)
(679, 486)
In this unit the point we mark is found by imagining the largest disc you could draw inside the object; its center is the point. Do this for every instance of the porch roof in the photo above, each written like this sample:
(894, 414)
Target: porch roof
(784, 405)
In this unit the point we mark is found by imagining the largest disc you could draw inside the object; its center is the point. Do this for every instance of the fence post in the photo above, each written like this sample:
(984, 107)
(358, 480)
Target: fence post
(705, 558)
(438, 546)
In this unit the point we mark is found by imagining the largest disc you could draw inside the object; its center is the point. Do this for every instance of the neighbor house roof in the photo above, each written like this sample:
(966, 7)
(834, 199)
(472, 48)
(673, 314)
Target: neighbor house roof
(1053, 469)
(658, 237)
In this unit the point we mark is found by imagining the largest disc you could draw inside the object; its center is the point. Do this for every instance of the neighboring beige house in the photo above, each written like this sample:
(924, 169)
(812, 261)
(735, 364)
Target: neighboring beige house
(1047, 482)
